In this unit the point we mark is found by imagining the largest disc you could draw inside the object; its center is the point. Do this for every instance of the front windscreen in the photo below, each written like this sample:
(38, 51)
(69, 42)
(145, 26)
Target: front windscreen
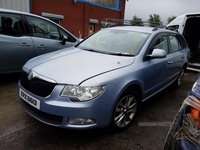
(115, 42)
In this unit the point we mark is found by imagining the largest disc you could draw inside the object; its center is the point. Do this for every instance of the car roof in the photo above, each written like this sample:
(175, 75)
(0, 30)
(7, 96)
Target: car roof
(144, 29)
(34, 15)
(21, 12)
(12, 11)
(133, 28)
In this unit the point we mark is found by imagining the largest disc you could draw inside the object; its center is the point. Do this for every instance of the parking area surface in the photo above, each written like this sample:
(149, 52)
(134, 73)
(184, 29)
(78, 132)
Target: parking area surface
(20, 131)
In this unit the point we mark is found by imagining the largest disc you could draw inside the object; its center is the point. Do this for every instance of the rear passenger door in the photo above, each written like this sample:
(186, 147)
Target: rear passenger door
(176, 55)
(47, 36)
(15, 46)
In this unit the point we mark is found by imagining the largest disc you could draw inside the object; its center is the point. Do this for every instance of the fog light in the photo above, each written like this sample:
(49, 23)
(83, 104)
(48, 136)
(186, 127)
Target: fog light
(81, 121)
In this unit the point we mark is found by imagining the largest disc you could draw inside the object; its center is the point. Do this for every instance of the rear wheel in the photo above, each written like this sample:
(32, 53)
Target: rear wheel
(178, 81)
(125, 110)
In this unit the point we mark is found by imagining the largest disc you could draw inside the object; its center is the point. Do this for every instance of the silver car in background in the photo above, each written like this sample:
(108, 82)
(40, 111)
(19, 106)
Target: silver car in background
(24, 36)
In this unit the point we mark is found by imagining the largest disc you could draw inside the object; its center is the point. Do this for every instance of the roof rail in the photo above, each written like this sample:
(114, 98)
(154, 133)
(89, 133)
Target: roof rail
(165, 27)
(110, 22)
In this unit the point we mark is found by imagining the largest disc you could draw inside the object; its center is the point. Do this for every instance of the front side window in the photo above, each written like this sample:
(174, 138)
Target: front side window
(161, 43)
(115, 41)
(42, 28)
(11, 24)
(70, 38)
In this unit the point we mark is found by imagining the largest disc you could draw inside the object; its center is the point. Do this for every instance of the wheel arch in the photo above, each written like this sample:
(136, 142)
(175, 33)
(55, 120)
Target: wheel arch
(135, 85)
(138, 90)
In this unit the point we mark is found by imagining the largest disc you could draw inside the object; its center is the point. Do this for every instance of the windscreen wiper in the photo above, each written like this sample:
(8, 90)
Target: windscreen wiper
(121, 54)
(87, 49)
(107, 52)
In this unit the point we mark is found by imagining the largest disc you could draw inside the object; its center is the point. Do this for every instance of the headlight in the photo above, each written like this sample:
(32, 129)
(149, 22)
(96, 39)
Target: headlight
(83, 93)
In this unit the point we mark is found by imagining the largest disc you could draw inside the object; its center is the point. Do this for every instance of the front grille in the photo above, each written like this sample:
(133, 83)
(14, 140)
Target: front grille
(36, 86)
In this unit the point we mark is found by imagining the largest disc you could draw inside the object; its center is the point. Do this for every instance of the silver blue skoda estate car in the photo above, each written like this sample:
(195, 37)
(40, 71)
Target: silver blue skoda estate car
(103, 80)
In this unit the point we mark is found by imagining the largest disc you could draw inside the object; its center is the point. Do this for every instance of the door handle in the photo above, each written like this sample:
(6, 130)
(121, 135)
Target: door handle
(41, 46)
(170, 62)
(182, 56)
(24, 44)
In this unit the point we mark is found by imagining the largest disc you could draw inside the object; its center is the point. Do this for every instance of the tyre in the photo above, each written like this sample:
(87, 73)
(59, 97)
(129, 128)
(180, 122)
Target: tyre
(125, 110)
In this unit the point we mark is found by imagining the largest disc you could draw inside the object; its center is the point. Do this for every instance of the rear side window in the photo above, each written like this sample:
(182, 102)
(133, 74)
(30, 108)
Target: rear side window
(11, 24)
(176, 43)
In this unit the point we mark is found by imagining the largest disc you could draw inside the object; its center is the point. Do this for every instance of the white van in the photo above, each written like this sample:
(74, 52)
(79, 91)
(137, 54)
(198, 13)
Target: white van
(189, 26)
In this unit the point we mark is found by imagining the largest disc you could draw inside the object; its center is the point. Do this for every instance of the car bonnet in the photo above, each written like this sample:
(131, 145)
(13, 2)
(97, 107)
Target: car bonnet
(75, 66)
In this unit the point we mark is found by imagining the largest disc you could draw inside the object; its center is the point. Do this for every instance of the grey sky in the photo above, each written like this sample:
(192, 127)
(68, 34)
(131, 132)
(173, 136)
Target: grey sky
(164, 8)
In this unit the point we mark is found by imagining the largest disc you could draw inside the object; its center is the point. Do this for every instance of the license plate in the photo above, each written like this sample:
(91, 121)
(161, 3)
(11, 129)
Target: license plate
(29, 99)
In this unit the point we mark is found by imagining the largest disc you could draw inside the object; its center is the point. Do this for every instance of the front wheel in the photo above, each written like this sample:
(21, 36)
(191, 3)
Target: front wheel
(125, 110)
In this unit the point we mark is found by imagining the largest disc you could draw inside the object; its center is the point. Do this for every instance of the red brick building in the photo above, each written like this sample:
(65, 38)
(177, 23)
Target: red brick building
(80, 17)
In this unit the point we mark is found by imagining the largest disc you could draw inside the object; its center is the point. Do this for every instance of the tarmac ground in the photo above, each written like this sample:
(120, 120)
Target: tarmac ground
(19, 131)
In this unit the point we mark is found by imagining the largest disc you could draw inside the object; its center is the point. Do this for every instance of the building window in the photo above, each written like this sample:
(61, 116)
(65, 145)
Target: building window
(54, 17)
(110, 3)
(56, 21)
(113, 4)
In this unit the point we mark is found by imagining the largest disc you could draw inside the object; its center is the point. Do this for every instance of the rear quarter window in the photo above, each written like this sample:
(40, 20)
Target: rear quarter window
(175, 27)
(182, 42)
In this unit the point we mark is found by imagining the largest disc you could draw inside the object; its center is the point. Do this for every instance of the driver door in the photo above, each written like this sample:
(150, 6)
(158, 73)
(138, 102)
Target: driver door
(157, 70)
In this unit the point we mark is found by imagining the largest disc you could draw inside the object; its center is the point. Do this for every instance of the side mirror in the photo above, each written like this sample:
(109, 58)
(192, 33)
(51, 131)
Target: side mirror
(157, 53)
(64, 39)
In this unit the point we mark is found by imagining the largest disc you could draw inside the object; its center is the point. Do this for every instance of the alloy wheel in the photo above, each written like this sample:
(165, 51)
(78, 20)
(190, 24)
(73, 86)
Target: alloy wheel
(125, 111)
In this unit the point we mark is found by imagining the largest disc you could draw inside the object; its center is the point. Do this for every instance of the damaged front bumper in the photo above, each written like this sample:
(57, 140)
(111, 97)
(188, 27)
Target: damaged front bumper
(184, 132)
